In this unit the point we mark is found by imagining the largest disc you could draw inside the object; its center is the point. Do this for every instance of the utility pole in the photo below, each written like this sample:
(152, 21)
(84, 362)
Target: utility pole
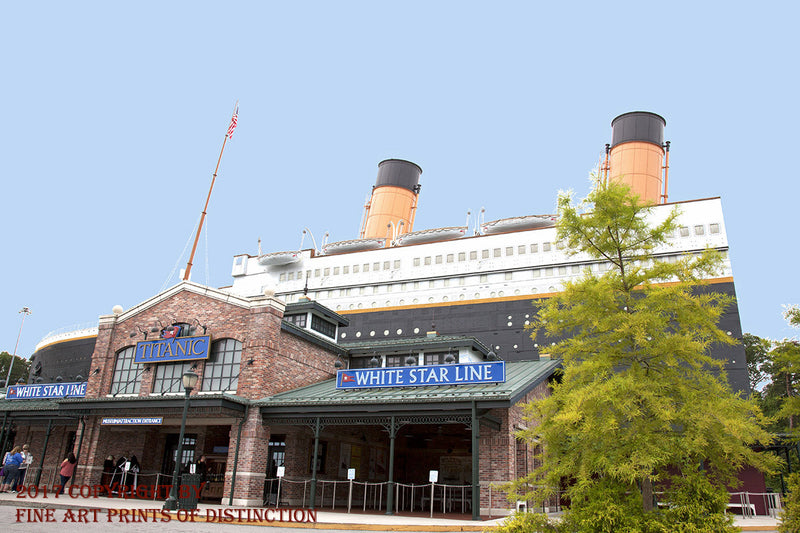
(25, 312)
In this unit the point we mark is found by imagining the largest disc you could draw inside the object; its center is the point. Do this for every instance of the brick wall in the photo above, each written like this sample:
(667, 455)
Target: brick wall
(502, 458)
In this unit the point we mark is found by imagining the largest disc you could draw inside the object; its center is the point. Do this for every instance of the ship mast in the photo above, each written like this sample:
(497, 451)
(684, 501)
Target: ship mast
(228, 135)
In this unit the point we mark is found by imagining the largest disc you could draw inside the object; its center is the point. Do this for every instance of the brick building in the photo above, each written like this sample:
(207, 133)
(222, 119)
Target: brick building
(266, 400)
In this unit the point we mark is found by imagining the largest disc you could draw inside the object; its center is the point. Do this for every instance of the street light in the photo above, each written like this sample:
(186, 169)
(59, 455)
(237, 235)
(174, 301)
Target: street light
(25, 312)
(189, 379)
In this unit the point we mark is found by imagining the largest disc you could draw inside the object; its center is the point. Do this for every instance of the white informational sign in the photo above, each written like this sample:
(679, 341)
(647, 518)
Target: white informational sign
(351, 473)
(127, 465)
(192, 468)
(434, 476)
(281, 471)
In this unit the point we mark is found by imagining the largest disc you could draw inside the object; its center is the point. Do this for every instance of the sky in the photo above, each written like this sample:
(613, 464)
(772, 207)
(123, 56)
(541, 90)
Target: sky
(114, 114)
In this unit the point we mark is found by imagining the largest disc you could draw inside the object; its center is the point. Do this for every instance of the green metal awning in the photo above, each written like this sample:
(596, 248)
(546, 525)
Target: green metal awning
(325, 399)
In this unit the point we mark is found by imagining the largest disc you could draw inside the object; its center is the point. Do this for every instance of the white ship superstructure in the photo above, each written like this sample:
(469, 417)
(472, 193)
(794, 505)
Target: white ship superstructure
(523, 263)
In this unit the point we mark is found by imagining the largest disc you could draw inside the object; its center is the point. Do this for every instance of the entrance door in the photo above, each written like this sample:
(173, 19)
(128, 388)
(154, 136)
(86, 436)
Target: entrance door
(171, 450)
(276, 454)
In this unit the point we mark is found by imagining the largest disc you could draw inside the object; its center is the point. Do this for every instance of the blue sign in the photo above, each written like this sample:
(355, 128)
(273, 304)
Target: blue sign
(172, 349)
(422, 376)
(133, 421)
(51, 390)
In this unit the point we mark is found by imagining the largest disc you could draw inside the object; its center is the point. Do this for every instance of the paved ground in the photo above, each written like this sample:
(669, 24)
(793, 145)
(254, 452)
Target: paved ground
(117, 515)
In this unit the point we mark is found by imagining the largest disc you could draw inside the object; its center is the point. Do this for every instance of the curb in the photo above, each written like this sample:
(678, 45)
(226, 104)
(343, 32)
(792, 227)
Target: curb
(264, 523)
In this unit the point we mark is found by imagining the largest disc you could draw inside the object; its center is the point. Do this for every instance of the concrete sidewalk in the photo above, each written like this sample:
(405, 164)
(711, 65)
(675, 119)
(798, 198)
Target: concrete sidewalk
(326, 519)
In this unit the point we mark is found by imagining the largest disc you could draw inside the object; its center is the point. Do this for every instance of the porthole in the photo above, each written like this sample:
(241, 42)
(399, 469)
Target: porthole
(371, 333)
(510, 324)
(358, 334)
(416, 330)
(344, 335)
(399, 331)
(386, 333)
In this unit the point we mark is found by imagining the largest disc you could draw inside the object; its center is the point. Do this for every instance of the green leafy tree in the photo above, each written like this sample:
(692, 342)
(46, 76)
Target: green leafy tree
(642, 404)
(20, 370)
(757, 353)
(786, 374)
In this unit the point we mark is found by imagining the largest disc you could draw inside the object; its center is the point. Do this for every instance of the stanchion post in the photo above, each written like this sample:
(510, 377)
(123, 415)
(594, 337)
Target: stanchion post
(350, 496)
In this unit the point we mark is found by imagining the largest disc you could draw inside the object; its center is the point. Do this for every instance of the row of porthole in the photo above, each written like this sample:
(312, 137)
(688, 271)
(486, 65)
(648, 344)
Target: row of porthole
(399, 331)
(372, 333)
(415, 301)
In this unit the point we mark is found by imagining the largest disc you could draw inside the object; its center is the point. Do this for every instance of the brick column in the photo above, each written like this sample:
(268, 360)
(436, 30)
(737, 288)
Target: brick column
(251, 470)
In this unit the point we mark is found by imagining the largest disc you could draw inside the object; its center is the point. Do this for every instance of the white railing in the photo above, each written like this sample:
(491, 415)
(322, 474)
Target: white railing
(68, 332)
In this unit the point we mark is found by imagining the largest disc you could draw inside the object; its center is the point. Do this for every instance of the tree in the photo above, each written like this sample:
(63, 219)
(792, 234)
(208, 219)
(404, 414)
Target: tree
(757, 353)
(20, 369)
(784, 386)
(642, 403)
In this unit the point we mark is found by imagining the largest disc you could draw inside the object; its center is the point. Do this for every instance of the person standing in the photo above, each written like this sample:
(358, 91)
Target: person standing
(108, 474)
(27, 457)
(67, 469)
(11, 469)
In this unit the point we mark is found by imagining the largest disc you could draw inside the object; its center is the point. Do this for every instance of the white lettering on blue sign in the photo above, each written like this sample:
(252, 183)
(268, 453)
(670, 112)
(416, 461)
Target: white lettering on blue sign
(420, 376)
(125, 421)
(51, 390)
(173, 349)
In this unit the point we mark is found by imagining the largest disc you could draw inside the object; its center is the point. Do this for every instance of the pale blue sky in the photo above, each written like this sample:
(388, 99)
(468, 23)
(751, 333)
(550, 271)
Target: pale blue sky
(113, 115)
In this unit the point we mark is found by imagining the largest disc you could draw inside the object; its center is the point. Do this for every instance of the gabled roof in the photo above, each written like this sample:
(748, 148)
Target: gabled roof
(324, 397)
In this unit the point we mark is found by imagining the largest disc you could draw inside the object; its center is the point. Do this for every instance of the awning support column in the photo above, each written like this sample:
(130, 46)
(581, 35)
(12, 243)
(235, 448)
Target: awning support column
(476, 484)
(390, 486)
(80, 444)
(44, 451)
(236, 453)
(314, 465)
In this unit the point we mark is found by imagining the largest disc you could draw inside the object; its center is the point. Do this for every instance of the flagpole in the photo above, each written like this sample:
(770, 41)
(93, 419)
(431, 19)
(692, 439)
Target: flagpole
(228, 134)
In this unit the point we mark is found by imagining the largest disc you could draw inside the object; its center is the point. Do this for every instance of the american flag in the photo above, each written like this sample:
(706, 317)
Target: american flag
(234, 120)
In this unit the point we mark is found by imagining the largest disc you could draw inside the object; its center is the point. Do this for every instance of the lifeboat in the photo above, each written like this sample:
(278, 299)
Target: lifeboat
(354, 245)
(519, 223)
(431, 235)
(278, 258)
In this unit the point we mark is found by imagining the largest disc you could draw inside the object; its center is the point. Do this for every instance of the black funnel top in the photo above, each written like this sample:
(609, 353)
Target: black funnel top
(398, 173)
(639, 126)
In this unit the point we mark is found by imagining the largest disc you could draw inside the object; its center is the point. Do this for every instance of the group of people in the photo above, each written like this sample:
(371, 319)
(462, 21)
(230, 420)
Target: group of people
(15, 467)
(122, 471)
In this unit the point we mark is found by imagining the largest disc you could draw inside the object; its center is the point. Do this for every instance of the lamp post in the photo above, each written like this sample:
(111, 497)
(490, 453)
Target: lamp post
(189, 379)
(25, 312)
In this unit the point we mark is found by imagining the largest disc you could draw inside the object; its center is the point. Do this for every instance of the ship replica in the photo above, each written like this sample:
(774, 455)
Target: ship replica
(482, 279)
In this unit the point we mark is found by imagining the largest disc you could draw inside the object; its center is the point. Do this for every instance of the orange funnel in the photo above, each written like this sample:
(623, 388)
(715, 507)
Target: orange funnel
(637, 153)
(391, 209)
